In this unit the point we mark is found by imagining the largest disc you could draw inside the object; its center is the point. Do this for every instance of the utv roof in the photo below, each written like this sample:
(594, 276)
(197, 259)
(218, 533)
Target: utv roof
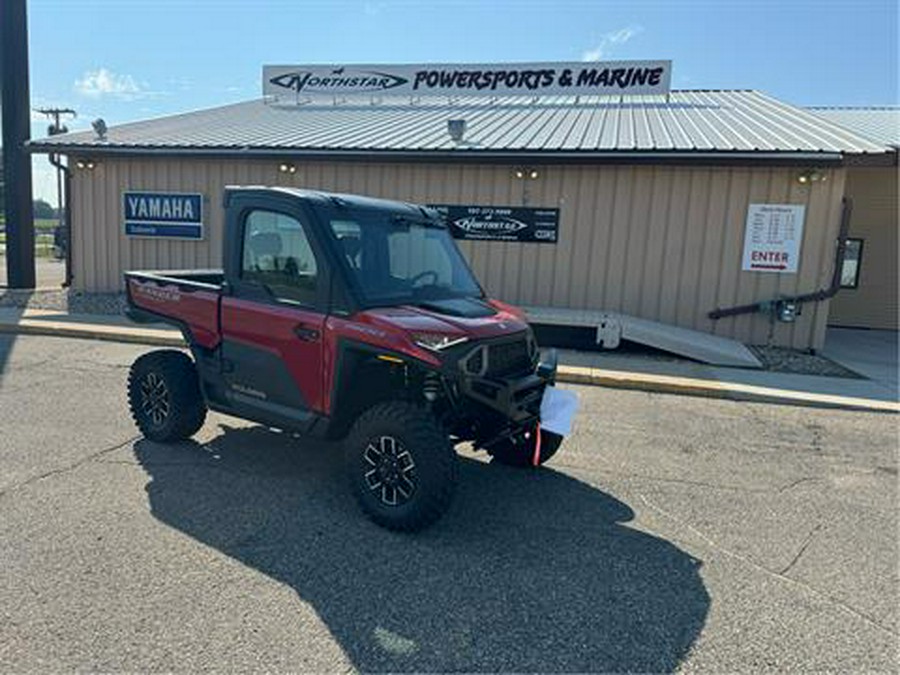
(340, 199)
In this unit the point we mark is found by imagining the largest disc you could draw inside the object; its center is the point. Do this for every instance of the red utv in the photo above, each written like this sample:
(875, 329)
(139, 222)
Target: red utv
(350, 318)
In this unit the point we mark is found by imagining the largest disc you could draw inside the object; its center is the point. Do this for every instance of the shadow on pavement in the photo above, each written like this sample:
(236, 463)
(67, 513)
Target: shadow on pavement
(11, 313)
(6, 346)
(527, 572)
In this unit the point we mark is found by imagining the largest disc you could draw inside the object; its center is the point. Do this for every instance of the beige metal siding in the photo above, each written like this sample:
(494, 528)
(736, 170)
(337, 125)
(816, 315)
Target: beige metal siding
(873, 304)
(663, 243)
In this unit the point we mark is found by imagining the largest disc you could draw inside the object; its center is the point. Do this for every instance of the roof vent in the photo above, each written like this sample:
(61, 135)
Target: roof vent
(99, 128)
(456, 129)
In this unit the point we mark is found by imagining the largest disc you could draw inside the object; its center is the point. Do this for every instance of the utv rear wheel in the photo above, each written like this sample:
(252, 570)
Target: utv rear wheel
(401, 466)
(522, 454)
(164, 396)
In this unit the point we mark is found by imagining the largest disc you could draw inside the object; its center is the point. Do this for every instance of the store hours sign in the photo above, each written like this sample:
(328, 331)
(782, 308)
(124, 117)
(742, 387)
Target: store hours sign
(163, 215)
(772, 238)
(501, 223)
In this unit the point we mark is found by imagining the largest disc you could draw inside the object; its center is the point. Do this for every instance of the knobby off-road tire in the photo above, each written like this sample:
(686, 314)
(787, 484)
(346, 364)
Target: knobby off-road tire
(522, 455)
(164, 396)
(401, 466)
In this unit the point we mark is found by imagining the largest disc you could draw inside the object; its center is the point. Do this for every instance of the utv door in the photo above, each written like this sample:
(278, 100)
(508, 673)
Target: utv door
(273, 316)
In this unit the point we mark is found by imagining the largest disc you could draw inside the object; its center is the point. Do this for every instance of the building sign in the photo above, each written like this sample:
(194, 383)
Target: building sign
(772, 238)
(511, 79)
(172, 215)
(501, 223)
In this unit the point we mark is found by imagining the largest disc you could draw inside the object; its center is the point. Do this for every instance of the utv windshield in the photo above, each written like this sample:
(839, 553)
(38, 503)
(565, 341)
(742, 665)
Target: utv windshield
(396, 260)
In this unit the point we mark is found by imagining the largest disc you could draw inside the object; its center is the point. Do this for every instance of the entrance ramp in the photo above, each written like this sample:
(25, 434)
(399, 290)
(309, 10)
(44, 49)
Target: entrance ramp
(612, 327)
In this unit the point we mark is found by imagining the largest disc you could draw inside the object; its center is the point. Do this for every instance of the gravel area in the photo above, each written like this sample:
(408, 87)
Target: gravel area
(73, 302)
(784, 360)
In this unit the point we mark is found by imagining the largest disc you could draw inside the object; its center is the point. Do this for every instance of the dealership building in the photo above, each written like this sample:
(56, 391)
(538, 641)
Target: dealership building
(714, 211)
(868, 296)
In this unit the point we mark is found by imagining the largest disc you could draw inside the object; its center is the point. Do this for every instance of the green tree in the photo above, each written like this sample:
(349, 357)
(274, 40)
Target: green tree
(43, 209)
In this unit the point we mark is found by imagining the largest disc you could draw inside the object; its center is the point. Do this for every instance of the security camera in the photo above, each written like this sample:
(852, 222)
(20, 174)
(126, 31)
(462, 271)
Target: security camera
(99, 128)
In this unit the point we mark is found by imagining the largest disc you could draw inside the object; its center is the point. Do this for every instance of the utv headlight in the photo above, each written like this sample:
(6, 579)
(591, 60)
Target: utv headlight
(437, 341)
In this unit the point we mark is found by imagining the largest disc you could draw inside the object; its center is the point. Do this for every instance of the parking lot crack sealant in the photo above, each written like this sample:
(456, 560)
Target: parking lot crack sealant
(715, 546)
(65, 469)
(802, 550)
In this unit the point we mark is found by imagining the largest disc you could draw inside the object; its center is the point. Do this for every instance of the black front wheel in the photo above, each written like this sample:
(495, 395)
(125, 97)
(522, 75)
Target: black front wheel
(520, 452)
(401, 466)
(164, 396)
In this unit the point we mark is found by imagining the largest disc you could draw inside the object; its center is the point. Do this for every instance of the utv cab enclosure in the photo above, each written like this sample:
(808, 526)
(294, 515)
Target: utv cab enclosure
(349, 318)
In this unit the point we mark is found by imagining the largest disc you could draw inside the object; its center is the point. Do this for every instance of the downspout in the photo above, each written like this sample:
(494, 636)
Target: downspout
(815, 296)
(67, 214)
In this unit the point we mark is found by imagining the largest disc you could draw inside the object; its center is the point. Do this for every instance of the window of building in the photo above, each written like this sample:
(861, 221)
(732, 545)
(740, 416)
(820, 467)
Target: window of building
(852, 260)
(277, 255)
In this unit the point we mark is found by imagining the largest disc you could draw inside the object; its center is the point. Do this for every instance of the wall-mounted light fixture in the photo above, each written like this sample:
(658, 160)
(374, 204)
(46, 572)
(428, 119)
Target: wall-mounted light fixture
(284, 167)
(526, 174)
(811, 176)
(87, 164)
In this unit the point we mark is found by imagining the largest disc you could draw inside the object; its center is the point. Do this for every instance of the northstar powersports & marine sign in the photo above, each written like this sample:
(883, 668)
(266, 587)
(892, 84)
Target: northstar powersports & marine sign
(514, 79)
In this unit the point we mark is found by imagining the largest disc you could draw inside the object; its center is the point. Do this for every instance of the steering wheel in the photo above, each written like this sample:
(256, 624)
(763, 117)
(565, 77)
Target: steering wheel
(422, 275)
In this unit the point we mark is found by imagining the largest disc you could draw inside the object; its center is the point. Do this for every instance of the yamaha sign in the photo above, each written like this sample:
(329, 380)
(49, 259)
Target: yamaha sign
(512, 79)
(166, 215)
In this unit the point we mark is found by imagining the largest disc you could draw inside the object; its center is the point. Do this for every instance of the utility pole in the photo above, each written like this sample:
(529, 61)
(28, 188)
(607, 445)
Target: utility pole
(62, 198)
(16, 131)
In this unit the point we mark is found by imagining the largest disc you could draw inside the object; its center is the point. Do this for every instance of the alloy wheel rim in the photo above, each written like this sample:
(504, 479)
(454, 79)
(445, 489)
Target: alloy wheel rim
(155, 398)
(390, 471)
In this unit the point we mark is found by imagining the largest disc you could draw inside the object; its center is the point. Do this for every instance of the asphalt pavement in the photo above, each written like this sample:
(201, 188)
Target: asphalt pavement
(669, 533)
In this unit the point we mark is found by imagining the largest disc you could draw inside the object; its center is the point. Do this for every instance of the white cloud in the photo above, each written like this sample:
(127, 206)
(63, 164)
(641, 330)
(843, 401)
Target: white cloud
(103, 82)
(609, 41)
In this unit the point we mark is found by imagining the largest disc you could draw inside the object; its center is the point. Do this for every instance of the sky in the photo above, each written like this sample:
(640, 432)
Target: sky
(135, 59)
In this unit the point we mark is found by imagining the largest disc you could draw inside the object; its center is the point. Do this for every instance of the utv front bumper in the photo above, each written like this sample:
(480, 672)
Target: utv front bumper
(518, 398)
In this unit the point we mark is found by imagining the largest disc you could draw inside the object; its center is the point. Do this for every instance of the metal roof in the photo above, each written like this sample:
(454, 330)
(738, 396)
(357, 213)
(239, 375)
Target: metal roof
(880, 124)
(685, 122)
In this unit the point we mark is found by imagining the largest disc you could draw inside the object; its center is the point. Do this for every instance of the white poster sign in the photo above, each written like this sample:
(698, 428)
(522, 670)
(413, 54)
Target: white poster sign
(772, 238)
(508, 79)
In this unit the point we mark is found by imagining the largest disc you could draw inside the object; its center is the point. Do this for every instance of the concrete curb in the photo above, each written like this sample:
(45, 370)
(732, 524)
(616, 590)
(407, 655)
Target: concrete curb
(153, 337)
(665, 384)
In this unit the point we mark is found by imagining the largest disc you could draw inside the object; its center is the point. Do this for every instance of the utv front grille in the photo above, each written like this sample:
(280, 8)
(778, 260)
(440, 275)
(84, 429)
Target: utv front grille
(508, 358)
(501, 359)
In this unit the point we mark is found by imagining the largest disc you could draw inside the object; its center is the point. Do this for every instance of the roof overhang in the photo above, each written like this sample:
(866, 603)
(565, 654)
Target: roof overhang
(883, 159)
(462, 155)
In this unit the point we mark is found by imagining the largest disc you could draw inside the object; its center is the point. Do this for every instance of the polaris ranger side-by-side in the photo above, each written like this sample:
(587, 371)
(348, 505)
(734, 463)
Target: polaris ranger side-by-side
(350, 318)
